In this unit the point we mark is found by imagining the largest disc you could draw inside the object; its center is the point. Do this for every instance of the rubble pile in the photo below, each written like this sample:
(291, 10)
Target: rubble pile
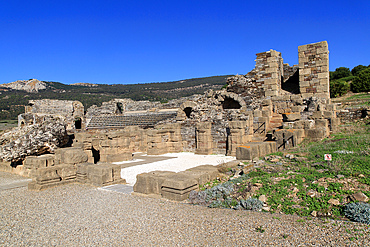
(33, 140)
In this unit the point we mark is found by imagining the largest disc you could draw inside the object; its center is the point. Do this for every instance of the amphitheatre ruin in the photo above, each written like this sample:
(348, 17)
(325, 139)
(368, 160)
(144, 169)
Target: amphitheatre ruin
(273, 107)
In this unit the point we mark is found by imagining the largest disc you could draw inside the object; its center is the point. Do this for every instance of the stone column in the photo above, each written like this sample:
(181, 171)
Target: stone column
(269, 71)
(204, 138)
(240, 134)
(314, 70)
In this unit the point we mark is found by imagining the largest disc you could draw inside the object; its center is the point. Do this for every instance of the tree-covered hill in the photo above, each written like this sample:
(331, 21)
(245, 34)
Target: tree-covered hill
(12, 101)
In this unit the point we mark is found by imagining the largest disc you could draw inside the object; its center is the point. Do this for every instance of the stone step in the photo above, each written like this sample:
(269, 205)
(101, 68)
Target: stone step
(142, 120)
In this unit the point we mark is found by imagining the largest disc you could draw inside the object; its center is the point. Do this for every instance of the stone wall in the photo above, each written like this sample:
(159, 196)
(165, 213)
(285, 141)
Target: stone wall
(41, 110)
(314, 70)
(269, 71)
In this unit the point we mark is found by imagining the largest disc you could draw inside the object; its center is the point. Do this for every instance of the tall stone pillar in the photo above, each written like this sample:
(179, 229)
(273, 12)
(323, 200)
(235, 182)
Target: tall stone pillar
(314, 70)
(269, 71)
(204, 138)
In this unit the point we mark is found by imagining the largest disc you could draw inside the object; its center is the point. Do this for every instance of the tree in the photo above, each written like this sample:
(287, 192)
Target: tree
(340, 73)
(361, 83)
(358, 69)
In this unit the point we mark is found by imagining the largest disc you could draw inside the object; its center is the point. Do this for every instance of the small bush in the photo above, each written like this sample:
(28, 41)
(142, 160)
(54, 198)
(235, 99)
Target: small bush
(221, 191)
(250, 204)
(338, 88)
(359, 212)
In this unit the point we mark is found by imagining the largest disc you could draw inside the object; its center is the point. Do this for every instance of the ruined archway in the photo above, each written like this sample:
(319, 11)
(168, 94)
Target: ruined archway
(96, 155)
(78, 123)
(230, 103)
(187, 108)
(188, 111)
(119, 108)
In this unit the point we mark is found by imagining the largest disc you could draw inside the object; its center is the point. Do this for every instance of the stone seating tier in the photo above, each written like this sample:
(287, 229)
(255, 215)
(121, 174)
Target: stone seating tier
(142, 120)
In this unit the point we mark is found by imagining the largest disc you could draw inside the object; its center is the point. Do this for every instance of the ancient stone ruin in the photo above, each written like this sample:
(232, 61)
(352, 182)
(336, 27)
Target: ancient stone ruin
(273, 107)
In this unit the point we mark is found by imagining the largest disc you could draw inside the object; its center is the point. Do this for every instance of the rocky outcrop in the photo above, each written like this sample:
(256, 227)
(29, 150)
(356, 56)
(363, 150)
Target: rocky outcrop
(32, 140)
(31, 86)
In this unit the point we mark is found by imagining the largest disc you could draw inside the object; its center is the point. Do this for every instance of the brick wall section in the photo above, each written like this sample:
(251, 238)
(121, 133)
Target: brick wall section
(269, 71)
(314, 70)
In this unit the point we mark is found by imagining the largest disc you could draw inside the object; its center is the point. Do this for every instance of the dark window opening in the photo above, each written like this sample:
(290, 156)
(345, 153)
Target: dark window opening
(78, 124)
(188, 111)
(230, 103)
(119, 108)
(96, 155)
(22, 124)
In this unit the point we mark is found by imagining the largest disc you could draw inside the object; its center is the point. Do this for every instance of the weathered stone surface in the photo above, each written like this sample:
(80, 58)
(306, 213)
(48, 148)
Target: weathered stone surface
(70, 155)
(359, 196)
(291, 117)
(151, 183)
(32, 140)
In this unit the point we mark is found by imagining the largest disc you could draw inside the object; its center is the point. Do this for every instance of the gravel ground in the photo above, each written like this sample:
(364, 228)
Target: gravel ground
(178, 162)
(81, 215)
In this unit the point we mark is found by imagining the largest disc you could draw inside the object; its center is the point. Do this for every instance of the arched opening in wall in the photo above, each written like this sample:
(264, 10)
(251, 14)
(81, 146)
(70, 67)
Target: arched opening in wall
(230, 103)
(119, 108)
(96, 155)
(22, 124)
(78, 123)
(188, 111)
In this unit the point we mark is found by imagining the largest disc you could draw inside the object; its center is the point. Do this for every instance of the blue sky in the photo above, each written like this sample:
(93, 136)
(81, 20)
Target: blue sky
(126, 42)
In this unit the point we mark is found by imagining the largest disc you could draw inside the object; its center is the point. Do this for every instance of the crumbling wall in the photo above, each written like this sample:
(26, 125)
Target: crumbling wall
(314, 70)
(264, 79)
(115, 106)
(40, 110)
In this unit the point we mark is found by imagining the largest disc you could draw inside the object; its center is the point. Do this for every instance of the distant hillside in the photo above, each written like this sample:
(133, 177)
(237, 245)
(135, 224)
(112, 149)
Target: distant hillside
(15, 95)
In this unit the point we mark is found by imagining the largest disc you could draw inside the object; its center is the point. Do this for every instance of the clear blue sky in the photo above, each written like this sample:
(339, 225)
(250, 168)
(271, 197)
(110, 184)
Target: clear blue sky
(124, 41)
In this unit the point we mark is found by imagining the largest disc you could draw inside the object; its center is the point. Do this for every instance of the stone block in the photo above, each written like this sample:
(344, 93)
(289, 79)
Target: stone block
(81, 174)
(100, 174)
(109, 158)
(288, 138)
(304, 124)
(257, 113)
(47, 175)
(291, 117)
(70, 155)
(39, 161)
(321, 123)
(203, 174)
(334, 124)
(329, 114)
(247, 152)
(296, 108)
(67, 172)
(331, 107)
(178, 187)
(151, 182)
(316, 134)
(317, 115)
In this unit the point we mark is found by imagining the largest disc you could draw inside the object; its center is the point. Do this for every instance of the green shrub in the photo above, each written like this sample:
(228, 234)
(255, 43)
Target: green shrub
(361, 83)
(250, 204)
(338, 88)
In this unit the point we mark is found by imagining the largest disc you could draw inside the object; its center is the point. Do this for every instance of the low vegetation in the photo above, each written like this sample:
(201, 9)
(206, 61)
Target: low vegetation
(301, 182)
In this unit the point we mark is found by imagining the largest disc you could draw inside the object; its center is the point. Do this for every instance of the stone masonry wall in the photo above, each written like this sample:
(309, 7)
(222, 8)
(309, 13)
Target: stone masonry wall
(314, 70)
(269, 70)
